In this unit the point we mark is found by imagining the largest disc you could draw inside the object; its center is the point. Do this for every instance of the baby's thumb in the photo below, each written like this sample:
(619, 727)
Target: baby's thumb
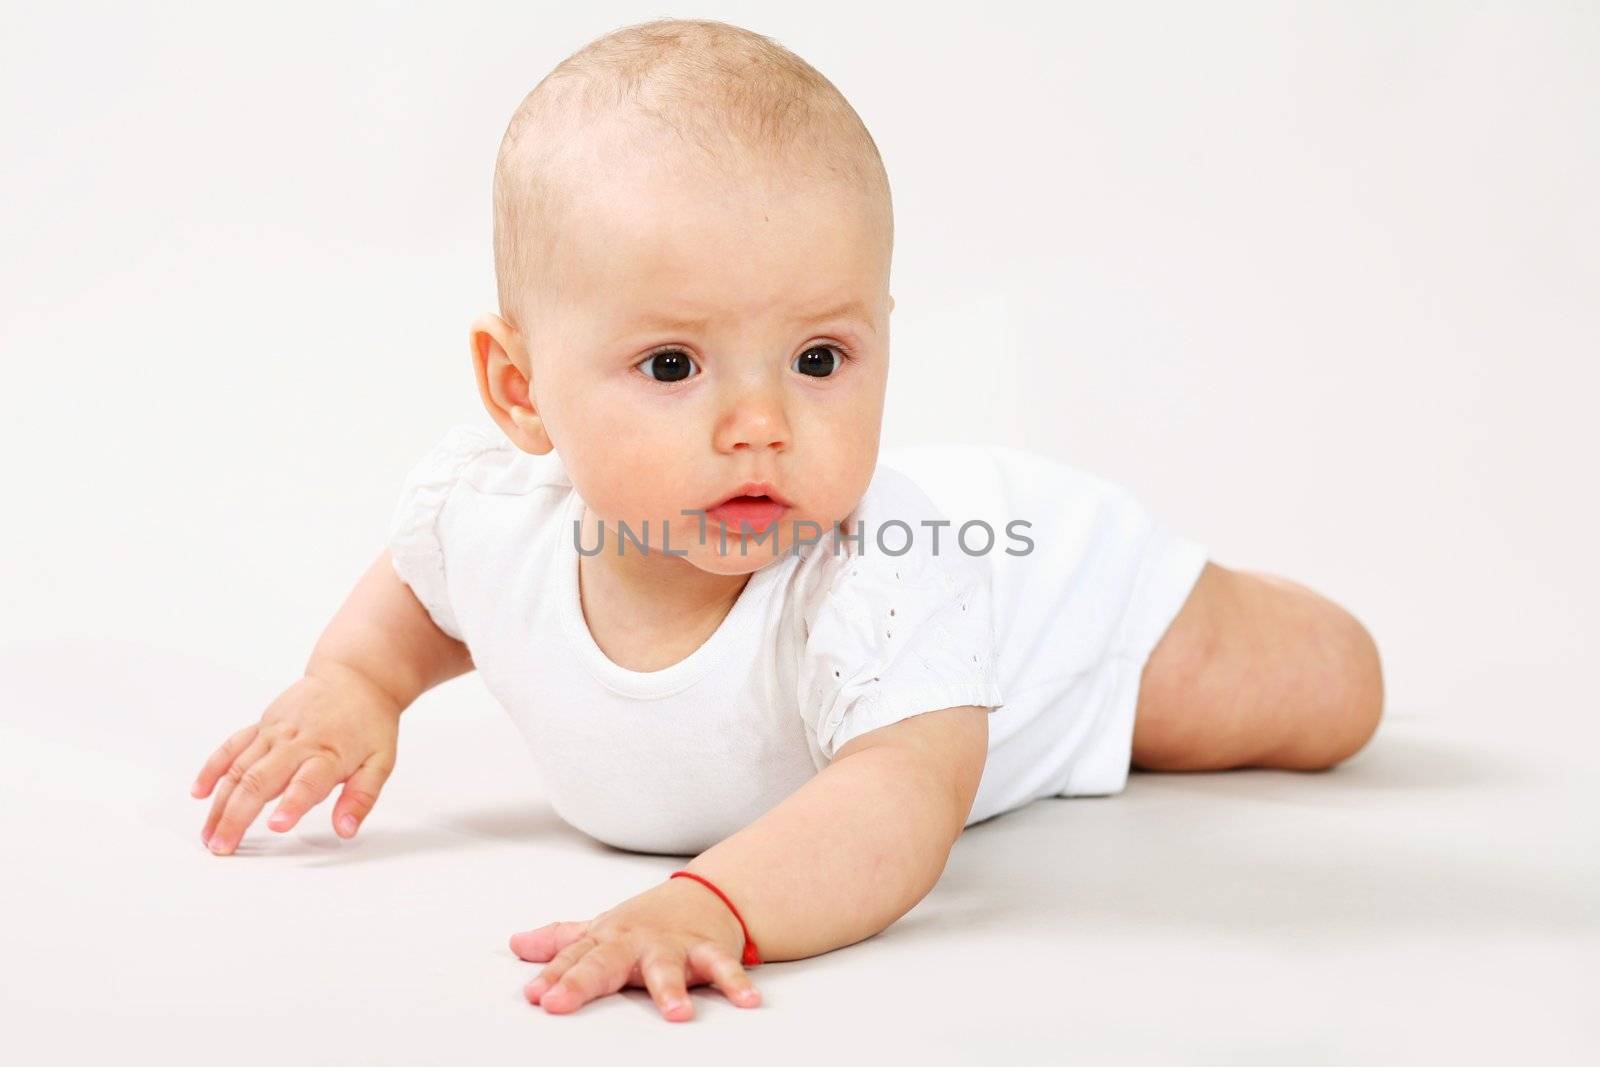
(360, 793)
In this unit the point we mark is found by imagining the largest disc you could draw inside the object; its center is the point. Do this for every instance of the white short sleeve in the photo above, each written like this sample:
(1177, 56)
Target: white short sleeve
(414, 543)
(896, 637)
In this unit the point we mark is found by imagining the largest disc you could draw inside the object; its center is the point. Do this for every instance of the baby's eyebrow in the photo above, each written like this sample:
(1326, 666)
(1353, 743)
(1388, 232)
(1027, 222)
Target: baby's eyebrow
(662, 320)
(851, 308)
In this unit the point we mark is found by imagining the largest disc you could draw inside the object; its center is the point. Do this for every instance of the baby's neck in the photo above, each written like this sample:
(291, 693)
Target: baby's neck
(647, 610)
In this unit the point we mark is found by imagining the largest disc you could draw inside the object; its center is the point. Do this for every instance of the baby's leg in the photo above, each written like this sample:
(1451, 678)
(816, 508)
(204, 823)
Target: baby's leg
(1257, 671)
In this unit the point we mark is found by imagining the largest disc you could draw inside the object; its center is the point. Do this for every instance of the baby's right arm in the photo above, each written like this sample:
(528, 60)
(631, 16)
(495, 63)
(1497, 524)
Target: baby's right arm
(339, 723)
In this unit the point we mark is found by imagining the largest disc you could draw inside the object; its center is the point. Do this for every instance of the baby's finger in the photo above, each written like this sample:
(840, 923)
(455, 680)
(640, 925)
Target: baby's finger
(726, 973)
(539, 945)
(360, 793)
(603, 969)
(260, 782)
(221, 758)
(552, 972)
(310, 785)
(258, 747)
(663, 974)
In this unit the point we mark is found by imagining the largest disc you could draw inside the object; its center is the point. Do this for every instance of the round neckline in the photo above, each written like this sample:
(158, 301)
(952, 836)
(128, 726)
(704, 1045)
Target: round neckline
(668, 680)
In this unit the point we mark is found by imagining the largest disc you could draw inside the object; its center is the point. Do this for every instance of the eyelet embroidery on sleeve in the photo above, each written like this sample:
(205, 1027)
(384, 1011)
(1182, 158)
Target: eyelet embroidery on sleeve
(851, 610)
(896, 631)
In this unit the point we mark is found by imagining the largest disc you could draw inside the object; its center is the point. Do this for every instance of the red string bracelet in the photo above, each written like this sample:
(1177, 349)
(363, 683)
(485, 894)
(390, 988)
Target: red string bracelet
(751, 957)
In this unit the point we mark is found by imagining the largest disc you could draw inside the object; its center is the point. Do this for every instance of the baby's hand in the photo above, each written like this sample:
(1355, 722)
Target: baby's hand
(666, 938)
(323, 731)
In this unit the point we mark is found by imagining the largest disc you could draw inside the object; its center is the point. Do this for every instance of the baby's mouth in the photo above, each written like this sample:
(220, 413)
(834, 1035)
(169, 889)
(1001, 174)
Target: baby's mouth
(759, 510)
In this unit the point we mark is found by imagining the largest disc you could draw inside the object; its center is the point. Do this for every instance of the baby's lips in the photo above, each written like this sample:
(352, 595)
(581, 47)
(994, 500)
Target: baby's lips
(753, 489)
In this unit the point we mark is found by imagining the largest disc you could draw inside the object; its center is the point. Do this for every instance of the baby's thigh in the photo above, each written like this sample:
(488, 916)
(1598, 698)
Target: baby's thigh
(1254, 671)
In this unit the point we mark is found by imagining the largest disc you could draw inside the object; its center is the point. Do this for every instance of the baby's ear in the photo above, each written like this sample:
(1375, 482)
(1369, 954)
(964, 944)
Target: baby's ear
(529, 434)
(891, 302)
(500, 363)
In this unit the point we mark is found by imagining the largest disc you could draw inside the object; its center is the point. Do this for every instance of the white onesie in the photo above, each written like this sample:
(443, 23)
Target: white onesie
(1049, 627)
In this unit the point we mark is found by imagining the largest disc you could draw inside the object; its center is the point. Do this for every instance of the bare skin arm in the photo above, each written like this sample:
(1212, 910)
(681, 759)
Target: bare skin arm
(384, 634)
(857, 846)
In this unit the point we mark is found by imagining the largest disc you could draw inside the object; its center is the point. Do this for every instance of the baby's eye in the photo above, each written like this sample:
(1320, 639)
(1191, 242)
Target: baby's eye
(820, 361)
(672, 364)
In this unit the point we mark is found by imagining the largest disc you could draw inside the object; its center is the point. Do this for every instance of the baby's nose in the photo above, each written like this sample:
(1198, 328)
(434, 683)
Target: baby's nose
(754, 422)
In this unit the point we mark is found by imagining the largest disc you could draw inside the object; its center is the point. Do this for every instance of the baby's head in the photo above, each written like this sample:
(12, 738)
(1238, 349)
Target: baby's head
(692, 235)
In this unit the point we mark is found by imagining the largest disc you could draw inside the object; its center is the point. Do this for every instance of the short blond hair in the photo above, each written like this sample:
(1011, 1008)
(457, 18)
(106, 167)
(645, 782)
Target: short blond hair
(723, 91)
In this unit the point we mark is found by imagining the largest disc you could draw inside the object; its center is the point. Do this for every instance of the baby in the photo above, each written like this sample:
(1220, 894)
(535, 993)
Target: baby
(726, 627)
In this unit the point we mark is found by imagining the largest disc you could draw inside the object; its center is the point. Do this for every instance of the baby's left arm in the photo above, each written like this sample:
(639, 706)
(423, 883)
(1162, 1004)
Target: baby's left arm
(856, 847)
(838, 860)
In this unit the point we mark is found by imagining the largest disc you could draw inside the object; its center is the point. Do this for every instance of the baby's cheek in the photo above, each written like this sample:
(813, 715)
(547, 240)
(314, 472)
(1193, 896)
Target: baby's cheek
(635, 489)
(603, 451)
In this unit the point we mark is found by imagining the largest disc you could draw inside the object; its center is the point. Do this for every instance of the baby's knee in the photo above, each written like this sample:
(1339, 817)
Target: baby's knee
(1351, 704)
(1362, 667)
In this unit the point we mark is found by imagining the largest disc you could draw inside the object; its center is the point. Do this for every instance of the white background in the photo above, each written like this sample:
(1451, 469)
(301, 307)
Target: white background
(1318, 282)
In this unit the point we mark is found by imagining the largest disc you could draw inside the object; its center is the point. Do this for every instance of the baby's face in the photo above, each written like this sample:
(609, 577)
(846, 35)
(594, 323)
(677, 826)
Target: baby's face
(704, 336)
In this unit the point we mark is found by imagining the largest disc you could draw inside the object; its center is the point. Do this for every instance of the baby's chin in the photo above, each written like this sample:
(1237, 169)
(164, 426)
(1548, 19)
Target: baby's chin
(718, 548)
(733, 554)
(737, 566)
(735, 559)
